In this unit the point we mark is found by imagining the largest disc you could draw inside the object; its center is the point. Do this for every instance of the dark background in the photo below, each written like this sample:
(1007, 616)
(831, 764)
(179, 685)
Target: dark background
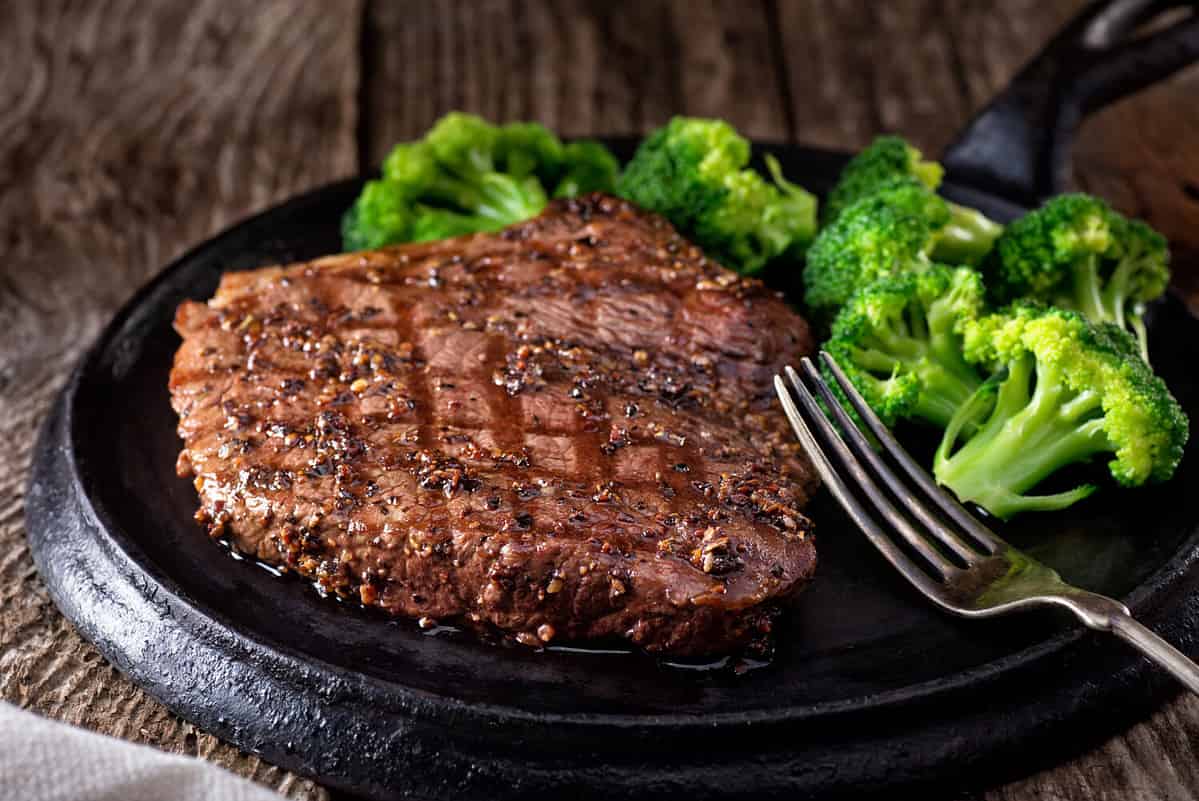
(130, 131)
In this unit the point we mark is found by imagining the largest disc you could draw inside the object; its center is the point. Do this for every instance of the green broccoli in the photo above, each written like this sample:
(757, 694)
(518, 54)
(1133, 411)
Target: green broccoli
(693, 172)
(1076, 253)
(899, 340)
(467, 175)
(889, 160)
(586, 167)
(1064, 391)
(380, 215)
(902, 228)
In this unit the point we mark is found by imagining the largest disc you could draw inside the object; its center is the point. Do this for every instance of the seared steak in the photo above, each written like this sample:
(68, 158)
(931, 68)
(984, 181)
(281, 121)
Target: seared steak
(562, 431)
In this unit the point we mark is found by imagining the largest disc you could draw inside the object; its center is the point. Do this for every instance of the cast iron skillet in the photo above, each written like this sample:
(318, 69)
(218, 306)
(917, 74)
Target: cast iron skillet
(871, 688)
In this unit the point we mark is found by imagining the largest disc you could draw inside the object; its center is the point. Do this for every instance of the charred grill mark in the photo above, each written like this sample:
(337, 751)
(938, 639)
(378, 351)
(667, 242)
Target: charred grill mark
(502, 403)
(419, 401)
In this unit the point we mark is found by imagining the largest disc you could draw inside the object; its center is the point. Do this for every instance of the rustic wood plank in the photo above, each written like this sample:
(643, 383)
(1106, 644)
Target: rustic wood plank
(918, 68)
(857, 69)
(991, 44)
(138, 130)
(133, 131)
(581, 68)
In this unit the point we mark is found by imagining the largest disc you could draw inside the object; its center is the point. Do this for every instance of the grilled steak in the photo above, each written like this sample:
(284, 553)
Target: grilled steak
(562, 431)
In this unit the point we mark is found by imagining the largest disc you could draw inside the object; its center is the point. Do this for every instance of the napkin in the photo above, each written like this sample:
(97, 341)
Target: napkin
(42, 760)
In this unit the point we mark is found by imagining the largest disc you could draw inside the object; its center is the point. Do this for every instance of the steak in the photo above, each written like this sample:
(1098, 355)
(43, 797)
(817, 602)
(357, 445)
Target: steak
(562, 431)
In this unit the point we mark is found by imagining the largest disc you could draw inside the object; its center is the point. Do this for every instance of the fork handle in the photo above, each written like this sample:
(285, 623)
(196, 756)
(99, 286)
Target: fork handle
(1128, 629)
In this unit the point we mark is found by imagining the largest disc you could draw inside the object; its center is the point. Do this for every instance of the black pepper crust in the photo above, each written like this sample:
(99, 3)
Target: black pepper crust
(563, 431)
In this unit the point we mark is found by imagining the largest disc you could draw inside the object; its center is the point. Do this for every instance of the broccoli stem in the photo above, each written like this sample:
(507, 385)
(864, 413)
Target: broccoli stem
(1116, 296)
(1029, 434)
(1116, 293)
(967, 237)
(1106, 301)
(951, 381)
(495, 200)
(1136, 321)
(506, 200)
(1089, 298)
(943, 392)
(946, 381)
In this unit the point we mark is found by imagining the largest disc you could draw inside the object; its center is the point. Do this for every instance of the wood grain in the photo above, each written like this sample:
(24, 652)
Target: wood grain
(581, 68)
(858, 69)
(134, 130)
(130, 132)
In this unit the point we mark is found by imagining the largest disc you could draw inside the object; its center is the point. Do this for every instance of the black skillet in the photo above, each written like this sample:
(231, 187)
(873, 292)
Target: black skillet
(870, 689)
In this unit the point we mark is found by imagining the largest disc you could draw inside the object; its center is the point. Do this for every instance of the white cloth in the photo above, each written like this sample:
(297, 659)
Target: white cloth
(42, 760)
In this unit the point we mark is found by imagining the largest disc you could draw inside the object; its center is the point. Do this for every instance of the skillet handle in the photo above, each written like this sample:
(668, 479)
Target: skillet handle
(1018, 146)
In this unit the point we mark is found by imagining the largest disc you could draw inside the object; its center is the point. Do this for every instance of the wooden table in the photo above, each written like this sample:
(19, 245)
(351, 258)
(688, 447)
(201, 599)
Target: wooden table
(131, 131)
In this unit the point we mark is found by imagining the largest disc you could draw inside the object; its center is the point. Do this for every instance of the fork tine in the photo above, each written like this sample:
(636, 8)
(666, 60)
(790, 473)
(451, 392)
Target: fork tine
(855, 509)
(948, 505)
(909, 500)
(815, 419)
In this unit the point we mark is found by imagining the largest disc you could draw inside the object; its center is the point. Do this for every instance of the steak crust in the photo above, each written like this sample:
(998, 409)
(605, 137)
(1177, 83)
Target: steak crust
(563, 431)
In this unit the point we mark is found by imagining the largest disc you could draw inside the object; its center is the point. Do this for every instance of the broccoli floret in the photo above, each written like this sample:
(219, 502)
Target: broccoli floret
(968, 237)
(887, 158)
(520, 148)
(1076, 253)
(1064, 391)
(693, 172)
(467, 175)
(875, 237)
(379, 215)
(899, 340)
(586, 167)
(902, 228)
(890, 160)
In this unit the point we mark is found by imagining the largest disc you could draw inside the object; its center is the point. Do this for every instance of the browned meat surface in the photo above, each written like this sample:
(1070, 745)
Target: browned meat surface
(563, 431)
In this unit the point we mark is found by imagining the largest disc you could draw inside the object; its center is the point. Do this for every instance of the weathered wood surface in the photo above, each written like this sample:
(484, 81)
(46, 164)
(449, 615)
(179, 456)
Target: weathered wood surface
(128, 132)
(131, 131)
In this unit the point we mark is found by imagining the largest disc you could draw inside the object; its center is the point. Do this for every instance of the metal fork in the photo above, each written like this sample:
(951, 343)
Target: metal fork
(964, 567)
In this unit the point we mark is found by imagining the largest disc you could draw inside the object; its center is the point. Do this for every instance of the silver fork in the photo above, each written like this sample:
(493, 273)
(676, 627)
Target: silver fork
(964, 567)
